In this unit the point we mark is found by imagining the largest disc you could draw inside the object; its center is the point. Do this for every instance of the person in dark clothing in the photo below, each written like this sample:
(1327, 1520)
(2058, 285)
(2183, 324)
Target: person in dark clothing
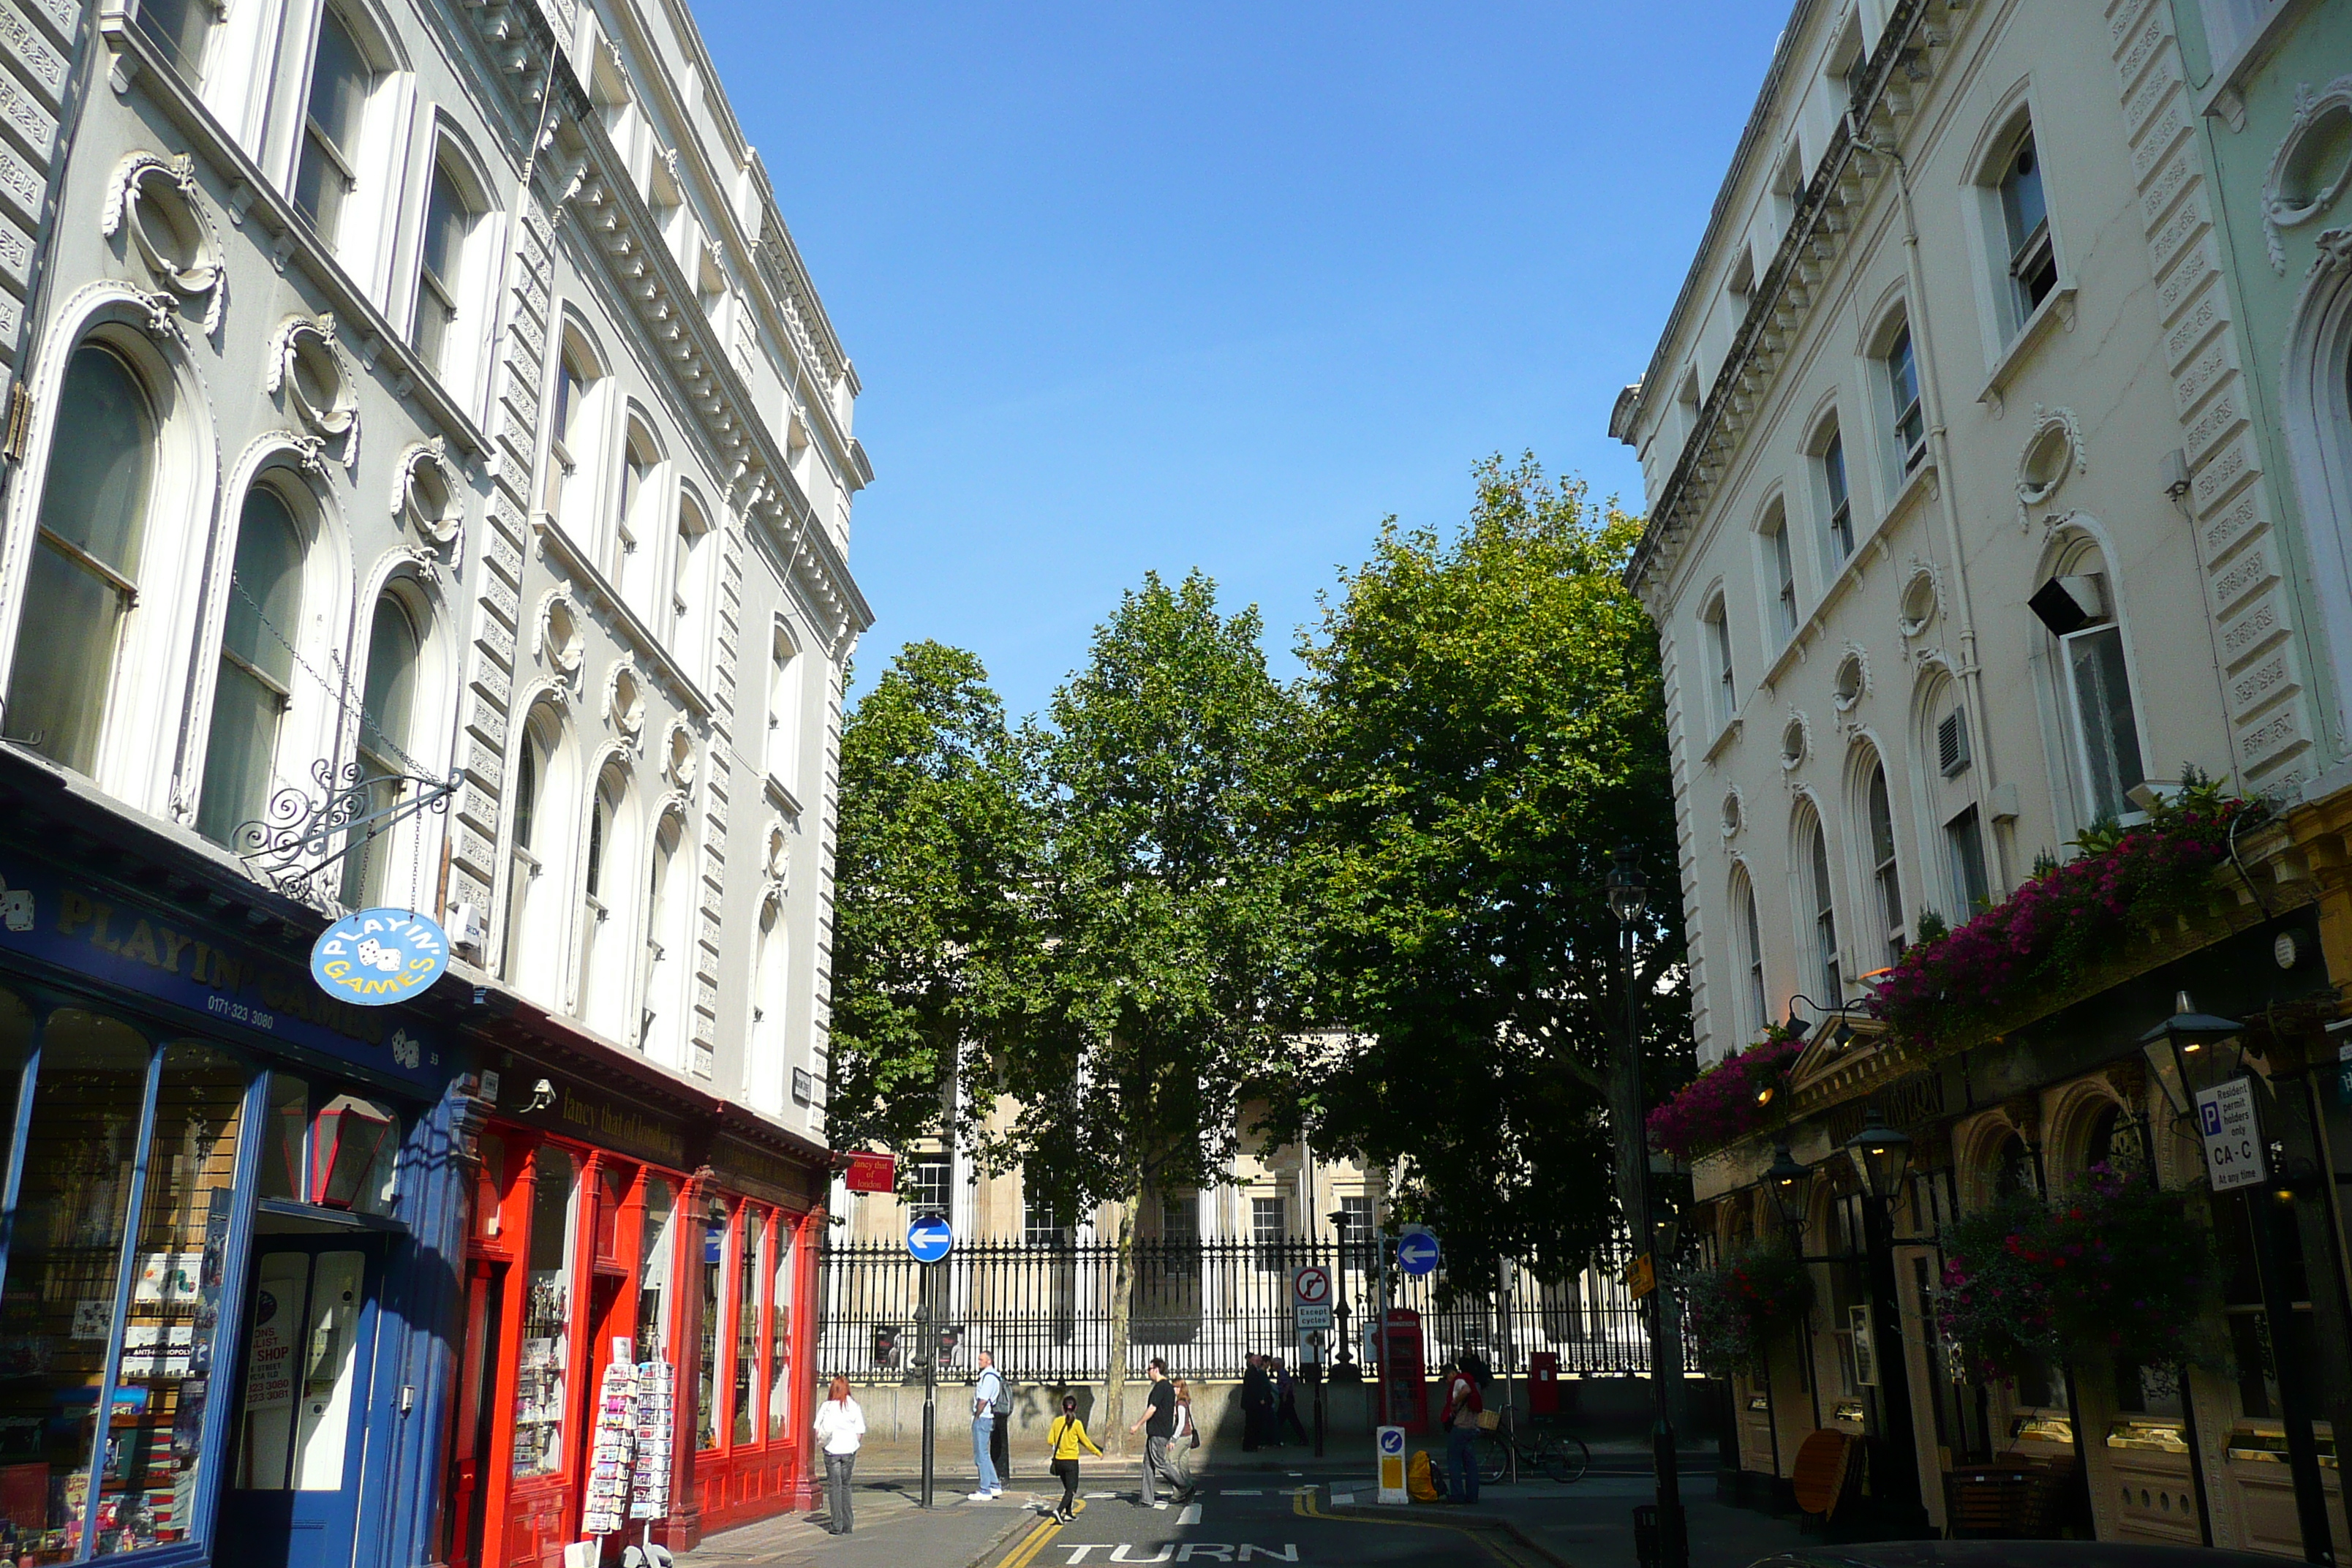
(1285, 1399)
(1258, 1403)
(1158, 1423)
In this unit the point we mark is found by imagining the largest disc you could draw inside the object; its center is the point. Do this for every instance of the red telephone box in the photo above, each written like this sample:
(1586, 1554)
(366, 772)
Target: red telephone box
(1403, 1385)
(1543, 1383)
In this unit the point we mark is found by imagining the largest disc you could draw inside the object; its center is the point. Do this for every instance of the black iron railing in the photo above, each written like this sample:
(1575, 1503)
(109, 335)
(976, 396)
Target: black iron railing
(1046, 1310)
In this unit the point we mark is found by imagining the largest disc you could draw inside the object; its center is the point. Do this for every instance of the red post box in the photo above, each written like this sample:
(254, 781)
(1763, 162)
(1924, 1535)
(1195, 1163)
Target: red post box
(1543, 1383)
(1404, 1385)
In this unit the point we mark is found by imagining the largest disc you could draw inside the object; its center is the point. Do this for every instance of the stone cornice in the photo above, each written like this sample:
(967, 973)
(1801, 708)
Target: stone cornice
(1843, 182)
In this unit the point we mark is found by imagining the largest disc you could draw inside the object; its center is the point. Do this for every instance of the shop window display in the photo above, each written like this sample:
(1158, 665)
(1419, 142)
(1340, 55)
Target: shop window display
(780, 1337)
(655, 1265)
(752, 1239)
(714, 1268)
(546, 1340)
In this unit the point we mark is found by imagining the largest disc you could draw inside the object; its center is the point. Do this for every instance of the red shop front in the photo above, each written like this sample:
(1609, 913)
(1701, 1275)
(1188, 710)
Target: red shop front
(581, 1256)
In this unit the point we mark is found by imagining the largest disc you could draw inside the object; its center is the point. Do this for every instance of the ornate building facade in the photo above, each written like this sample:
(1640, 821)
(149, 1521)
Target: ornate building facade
(428, 486)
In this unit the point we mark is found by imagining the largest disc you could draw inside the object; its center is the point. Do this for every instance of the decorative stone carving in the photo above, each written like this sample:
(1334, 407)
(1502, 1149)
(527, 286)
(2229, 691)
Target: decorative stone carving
(306, 361)
(1850, 684)
(624, 699)
(558, 640)
(2053, 450)
(1796, 741)
(2309, 170)
(157, 201)
(678, 759)
(1734, 812)
(427, 492)
(1922, 598)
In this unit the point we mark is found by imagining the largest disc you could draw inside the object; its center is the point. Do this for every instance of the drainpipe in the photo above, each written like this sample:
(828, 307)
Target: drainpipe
(1931, 390)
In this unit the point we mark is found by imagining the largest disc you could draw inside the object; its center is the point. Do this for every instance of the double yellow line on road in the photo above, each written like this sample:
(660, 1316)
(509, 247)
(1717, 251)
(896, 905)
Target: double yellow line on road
(1022, 1556)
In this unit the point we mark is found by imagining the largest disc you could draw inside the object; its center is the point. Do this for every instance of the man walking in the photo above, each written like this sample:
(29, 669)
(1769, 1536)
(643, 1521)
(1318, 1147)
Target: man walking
(1285, 1404)
(984, 1397)
(1158, 1423)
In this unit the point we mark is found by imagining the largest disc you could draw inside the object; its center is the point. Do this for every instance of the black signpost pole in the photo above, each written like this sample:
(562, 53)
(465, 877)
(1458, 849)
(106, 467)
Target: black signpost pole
(930, 1352)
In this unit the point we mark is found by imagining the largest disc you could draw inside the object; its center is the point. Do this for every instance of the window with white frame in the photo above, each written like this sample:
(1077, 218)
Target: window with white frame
(1042, 1223)
(1268, 1231)
(2077, 610)
(659, 1013)
(1838, 494)
(637, 540)
(254, 686)
(1717, 627)
(2232, 25)
(770, 1002)
(342, 80)
(2032, 258)
(570, 429)
(1780, 565)
(686, 569)
(784, 707)
(1751, 954)
(1964, 843)
(89, 535)
(1885, 875)
(1821, 901)
(180, 29)
(449, 218)
(387, 714)
(1910, 425)
(934, 1184)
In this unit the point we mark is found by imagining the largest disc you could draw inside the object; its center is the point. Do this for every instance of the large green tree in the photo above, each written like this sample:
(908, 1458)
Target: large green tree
(1168, 977)
(934, 923)
(1488, 731)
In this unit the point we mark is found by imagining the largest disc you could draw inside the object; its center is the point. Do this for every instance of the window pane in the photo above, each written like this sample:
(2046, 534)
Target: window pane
(285, 1138)
(2020, 196)
(749, 1276)
(1969, 882)
(339, 86)
(280, 1300)
(167, 1341)
(547, 1310)
(64, 1261)
(780, 1337)
(658, 1242)
(330, 1343)
(389, 695)
(714, 1268)
(2103, 703)
(178, 28)
(94, 500)
(445, 221)
(263, 608)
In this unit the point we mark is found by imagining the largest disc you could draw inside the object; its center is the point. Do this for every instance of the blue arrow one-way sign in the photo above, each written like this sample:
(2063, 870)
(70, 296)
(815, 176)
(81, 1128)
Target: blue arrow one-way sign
(1417, 1252)
(929, 1239)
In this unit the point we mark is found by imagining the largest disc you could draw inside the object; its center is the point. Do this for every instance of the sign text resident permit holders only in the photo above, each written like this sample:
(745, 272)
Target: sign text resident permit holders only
(2233, 1134)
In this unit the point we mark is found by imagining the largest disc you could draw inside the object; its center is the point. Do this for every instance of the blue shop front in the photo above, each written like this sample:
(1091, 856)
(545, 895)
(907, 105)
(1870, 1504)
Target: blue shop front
(231, 1206)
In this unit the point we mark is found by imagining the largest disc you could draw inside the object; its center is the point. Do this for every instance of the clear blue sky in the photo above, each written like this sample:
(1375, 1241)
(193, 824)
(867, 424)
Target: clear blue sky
(1137, 287)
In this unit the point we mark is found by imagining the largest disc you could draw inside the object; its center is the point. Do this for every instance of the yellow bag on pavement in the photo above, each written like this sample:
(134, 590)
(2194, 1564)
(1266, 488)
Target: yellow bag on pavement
(1418, 1483)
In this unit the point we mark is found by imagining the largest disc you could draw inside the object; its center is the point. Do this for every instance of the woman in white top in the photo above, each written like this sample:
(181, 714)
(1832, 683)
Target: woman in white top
(840, 1427)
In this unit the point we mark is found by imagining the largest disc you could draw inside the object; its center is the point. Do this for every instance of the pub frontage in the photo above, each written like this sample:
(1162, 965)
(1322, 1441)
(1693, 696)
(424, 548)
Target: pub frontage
(1922, 1198)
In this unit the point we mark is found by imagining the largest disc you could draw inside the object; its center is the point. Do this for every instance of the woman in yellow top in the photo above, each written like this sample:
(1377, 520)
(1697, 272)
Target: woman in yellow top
(1066, 1439)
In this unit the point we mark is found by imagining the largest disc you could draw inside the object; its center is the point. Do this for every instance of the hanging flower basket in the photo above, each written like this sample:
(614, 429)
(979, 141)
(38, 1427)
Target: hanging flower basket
(1730, 1100)
(2123, 1270)
(1731, 1312)
(2039, 945)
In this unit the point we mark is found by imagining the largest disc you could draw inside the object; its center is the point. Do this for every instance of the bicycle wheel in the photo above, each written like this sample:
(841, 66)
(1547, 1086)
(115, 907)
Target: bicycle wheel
(1494, 1457)
(1566, 1460)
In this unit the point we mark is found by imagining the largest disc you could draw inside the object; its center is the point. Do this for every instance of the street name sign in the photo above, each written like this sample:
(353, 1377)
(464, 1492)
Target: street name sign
(929, 1239)
(1416, 1253)
(2233, 1138)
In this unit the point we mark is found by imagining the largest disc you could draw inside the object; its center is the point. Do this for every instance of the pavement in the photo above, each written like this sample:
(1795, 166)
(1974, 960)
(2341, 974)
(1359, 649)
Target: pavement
(1274, 1513)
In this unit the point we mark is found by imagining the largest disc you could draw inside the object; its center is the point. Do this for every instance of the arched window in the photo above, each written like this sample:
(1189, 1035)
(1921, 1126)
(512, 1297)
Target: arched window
(1886, 877)
(1715, 626)
(1751, 955)
(1837, 497)
(570, 430)
(1822, 908)
(1780, 569)
(637, 538)
(784, 707)
(763, 1068)
(255, 684)
(662, 1015)
(387, 712)
(85, 566)
(449, 218)
(2077, 606)
(686, 592)
(343, 78)
(1946, 739)
(538, 908)
(605, 970)
(1910, 422)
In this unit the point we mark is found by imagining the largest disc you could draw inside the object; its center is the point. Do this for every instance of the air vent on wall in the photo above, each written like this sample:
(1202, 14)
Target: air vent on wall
(1952, 742)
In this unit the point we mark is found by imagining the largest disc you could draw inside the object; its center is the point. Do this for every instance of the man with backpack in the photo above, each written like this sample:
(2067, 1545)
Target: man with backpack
(1460, 1419)
(1000, 1446)
(985, 1397)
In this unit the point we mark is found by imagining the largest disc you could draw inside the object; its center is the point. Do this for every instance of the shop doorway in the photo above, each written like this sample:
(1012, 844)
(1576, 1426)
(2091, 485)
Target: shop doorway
(472, 1444)
(309, 1347)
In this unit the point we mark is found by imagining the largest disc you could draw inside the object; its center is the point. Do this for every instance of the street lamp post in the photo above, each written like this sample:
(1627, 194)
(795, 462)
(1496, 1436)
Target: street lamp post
(1629, 901)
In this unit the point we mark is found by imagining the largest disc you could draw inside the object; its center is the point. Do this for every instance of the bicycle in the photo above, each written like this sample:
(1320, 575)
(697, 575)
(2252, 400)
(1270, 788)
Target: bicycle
(1559, 1457)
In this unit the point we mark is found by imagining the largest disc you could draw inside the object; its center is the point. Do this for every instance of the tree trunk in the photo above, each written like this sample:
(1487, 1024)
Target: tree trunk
(1122, 1295)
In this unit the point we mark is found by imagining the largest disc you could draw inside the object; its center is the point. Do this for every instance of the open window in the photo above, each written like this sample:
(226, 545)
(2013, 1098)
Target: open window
(1908, 425)
(1836, 491)
(1716, 629)
(2076, 606)
(2025, 228)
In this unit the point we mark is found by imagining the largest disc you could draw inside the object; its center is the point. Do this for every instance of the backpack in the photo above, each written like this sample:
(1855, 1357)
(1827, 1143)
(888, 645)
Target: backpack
(1003, 1405)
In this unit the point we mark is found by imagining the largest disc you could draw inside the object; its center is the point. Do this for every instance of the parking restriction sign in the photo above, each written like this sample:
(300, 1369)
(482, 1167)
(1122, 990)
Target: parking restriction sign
(2233, 1137)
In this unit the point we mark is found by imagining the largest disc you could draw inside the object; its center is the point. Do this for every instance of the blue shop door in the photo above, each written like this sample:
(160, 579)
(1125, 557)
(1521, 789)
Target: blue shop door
(301, 1428)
